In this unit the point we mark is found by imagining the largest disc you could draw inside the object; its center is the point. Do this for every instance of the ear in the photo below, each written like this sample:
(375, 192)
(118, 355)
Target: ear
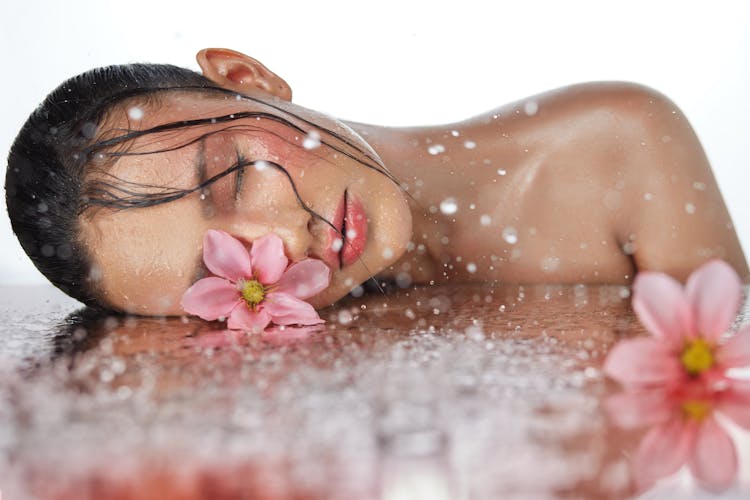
(235, 71)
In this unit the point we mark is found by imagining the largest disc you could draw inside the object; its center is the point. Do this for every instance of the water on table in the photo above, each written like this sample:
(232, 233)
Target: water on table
(460, 392)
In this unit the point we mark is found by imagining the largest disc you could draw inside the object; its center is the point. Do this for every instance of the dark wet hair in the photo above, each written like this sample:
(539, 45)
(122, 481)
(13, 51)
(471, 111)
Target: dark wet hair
(46, 181)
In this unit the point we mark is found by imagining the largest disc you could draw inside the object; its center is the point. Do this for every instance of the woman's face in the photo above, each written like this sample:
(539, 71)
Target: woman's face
(145, 258)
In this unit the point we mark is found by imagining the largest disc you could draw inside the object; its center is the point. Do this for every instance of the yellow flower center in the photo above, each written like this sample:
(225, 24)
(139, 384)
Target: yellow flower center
(697, 410)
(252, 292)
(697, 357)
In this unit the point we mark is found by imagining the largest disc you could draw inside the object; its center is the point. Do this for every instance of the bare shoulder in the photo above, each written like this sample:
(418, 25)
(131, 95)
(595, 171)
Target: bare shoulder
(652, 177)
(618, 162)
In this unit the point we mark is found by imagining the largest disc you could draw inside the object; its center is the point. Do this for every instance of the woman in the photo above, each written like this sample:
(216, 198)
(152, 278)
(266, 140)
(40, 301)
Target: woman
(114, 180)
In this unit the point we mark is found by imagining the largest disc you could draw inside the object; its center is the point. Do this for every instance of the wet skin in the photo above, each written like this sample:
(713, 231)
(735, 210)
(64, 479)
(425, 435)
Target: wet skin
(597, 181)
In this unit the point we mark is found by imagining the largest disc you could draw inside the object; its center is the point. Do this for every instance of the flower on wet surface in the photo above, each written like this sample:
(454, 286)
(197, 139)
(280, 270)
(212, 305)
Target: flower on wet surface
(686, 326)
(253, 289)
(683, 428)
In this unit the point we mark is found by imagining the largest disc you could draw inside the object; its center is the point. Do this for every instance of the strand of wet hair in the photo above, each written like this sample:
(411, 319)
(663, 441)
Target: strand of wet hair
(381, 168)
(146, 90)
(132, 135)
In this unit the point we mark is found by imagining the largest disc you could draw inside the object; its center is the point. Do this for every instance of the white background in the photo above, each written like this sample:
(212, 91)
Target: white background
(404, 63)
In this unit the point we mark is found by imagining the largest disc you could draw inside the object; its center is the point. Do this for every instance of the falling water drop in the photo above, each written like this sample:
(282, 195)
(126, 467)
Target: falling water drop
(312, 140)
(510, 235)
(436, 149)
(449, 206)
(135, 113)
(530, 108)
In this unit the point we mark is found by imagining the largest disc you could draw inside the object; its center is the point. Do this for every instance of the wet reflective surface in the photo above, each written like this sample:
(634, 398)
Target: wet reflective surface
(461, 392)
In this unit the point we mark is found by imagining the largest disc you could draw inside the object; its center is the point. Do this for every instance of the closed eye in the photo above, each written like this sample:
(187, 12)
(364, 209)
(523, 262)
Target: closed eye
(241, 163)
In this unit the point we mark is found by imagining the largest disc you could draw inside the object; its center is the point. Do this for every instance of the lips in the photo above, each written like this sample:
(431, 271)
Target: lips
(351, 221)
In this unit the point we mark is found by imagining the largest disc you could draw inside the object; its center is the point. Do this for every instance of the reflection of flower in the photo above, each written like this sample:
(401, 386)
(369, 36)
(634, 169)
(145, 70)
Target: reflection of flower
(275, 335)
(256, 288)
(684, 429)
(685, 326)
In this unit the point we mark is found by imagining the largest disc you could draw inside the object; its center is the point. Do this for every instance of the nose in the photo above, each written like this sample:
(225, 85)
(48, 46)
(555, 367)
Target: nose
(290, 224)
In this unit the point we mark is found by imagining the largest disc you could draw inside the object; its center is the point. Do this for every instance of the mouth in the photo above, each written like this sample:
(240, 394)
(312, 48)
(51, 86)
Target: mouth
(346, 246)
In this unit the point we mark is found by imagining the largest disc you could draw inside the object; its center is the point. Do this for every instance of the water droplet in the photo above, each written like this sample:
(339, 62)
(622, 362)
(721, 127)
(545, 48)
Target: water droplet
(689, 208)
(471, 267)
(455, 133)
(530, 108)
(485, 220)
(648, 196)
(135, 113)
(203, 196)
(628, 248)
(312, 140)
(501, 171)
(510, 235)
(449, 206)
(345, 317)
(336, 244)
(470, 144)
(357, 291)
(387, 253)
(699, 186)
(351, 234)
(436, 149)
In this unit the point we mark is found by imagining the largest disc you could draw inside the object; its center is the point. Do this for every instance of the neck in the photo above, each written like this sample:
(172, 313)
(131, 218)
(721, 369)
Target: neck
(408, 154)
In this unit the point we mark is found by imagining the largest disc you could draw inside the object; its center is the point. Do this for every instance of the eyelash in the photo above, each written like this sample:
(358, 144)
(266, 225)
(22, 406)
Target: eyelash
(240, 166)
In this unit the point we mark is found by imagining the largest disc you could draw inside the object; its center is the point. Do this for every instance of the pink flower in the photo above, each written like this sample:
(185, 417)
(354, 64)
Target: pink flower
(683, 429)
(686, 327)
(254, 289)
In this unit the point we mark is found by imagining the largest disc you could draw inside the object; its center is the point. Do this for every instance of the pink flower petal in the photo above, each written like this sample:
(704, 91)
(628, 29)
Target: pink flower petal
(225, 256)
(210, 298)
(714, 292)
(714, 458)
(305, 278)
(735, 403)
(640, 408)
(242, 318)
(285, 309)
(269, 261)
(736, 351)
(643, 362)
(660, 304)
(662, 452)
